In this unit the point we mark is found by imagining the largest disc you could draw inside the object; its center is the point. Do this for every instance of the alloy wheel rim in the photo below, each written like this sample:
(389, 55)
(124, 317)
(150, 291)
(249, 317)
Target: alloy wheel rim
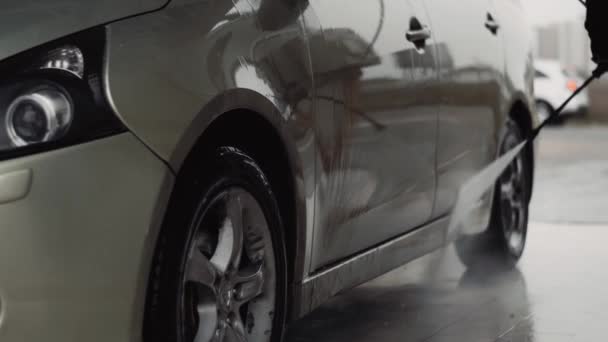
(229, 274)
(513, 201)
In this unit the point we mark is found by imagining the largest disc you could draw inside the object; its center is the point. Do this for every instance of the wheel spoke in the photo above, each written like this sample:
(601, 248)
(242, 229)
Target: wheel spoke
(235, 214)
(255, 245)
(230, 242)
(219, 334)
(236, 330)
(508, 233)
(514, 226)
(515, 167)
(249, 283)
(515, 240)
(518, 210)
(207, 323)
(200, 270)
(506, 189)
(230, 256)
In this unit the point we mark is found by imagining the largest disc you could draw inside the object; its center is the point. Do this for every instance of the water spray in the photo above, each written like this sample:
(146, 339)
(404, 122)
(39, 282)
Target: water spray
(472, 190)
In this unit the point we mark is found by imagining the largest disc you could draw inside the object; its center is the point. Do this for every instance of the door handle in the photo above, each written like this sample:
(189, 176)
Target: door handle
(418, 35)
(491, 24)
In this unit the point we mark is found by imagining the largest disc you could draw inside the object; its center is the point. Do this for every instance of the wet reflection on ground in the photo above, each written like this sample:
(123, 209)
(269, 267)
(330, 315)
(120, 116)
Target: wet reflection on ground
(555, 294)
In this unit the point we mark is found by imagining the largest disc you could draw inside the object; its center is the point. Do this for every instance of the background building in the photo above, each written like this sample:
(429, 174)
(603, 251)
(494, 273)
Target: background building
(565, 41)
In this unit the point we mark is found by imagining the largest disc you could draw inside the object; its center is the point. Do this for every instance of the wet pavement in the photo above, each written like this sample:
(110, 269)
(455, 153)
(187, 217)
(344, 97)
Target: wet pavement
(556, 294)
(571, 184)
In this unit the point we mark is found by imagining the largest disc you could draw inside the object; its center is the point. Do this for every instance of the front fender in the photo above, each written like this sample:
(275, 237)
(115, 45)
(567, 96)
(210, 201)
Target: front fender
(172, 73)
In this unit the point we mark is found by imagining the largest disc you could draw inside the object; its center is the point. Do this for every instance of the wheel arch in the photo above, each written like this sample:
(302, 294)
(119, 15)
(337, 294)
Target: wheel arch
(250, 122)
(542, 100)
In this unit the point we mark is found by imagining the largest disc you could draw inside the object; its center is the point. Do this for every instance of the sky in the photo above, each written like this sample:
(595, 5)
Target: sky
(542, 12)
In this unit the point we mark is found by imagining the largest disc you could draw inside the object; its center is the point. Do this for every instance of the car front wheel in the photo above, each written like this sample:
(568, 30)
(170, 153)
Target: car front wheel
(219, 269)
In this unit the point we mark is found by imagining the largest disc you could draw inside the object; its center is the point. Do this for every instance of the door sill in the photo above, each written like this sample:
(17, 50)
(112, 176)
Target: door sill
(365, 266)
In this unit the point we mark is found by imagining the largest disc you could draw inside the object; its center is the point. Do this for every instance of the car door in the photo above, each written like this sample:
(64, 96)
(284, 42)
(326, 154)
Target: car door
(375, 123)
(471, 74)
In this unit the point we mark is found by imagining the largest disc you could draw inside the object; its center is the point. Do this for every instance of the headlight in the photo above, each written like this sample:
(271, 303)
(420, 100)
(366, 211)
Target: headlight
(53, 96)
(66, 58)
(38, 116)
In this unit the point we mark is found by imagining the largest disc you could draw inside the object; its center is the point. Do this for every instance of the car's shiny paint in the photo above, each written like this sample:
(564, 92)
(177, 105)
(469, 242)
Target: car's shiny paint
(75, 252)
(27, 23)
(370, 264)
(173, 72)
(518, 69)
(471, 65)
(375, 123)
(366, 116)
(379, 131)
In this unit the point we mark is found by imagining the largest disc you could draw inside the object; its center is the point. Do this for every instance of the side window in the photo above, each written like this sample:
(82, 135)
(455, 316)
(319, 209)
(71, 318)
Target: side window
(538, 74)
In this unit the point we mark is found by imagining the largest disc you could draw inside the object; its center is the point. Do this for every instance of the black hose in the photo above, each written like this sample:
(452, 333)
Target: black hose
(597, 73)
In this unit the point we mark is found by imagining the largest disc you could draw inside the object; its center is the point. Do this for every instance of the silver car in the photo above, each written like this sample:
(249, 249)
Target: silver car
(210, 170)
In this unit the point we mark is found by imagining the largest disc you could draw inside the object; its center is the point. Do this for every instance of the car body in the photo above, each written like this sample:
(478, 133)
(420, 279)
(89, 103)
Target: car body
(365, 134)
(553, 85)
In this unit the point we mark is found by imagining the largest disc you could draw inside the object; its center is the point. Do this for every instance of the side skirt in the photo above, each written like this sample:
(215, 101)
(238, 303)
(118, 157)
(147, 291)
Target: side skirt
(319, 287)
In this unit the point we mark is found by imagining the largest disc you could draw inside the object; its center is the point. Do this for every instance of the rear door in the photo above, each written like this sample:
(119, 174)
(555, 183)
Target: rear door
(471, 73)
(375, 123)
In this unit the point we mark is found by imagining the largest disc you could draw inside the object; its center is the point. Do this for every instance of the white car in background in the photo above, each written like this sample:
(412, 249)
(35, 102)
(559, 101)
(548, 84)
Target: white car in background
(552, 85)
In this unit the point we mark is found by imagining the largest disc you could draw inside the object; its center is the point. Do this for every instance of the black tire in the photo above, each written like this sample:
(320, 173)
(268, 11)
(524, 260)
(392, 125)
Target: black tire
(223, 168)
(492, 247)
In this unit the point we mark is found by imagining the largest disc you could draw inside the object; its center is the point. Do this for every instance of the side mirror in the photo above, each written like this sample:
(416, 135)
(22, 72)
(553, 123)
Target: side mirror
(597, 27)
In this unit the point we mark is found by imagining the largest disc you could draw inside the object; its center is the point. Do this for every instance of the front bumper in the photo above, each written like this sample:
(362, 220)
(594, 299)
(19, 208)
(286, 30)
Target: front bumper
(76, 240)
